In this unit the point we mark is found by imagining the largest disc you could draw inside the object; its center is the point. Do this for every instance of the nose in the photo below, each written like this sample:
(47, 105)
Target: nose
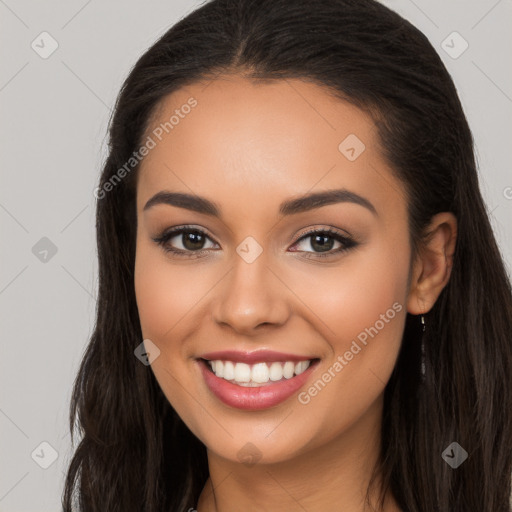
(251, 298)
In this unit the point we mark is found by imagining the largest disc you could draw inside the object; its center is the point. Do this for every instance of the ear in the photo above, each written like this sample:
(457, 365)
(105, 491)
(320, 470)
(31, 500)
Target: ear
(433, 265)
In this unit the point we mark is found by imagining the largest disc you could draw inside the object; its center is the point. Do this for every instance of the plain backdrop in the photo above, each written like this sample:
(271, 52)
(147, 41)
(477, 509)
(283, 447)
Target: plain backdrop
(54, 113)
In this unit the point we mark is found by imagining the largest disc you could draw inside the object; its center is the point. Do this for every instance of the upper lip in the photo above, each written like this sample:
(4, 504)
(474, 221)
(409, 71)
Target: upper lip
(258, 356)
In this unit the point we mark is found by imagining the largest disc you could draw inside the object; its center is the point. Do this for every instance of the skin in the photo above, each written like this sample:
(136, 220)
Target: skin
(248, 147)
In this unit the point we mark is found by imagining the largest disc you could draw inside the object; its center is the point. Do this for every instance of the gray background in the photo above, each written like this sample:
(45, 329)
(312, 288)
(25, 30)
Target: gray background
(53, 140)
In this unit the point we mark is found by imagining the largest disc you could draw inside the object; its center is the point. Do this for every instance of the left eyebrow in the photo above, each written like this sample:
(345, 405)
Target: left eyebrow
(319, 199)
(289, 207)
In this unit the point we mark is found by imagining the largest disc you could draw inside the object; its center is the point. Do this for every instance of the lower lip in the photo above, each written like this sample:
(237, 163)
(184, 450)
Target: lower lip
(254, 398)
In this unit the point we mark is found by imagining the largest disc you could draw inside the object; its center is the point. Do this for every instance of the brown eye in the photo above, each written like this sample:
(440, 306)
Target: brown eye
(183, 241)
(192, 240)
(323, 241)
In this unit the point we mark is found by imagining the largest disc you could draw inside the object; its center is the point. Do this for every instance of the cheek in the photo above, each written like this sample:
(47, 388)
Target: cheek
(348, 298)
(154, 292)
(359, 309)
(164, 292)
(164, 297)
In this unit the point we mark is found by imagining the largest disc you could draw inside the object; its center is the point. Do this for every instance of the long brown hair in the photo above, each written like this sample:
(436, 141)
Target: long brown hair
(135, 453)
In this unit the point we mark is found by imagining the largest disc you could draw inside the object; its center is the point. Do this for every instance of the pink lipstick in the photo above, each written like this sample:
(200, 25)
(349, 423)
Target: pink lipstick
(255, 380)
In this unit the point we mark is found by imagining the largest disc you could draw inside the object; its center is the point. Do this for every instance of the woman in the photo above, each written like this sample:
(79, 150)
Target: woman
(301, 305)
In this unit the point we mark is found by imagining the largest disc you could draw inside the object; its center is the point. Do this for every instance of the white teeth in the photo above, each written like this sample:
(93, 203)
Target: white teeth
(288, 369)
(276, 371)
(218, 368)
(242, 372)
(229, 371)
(259, 373)
(300, 367)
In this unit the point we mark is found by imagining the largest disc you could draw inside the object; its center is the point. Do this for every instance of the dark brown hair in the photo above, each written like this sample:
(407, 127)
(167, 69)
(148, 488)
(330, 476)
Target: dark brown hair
(135, 453)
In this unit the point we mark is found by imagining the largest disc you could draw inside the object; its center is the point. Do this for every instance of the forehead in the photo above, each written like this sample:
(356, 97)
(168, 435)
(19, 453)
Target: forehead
(261, 140)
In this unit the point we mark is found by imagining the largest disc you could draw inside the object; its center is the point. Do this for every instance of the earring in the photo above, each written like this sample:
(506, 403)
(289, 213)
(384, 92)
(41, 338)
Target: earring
(422, 319)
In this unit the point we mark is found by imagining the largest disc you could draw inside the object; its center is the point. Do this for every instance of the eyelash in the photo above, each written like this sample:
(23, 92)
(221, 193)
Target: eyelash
(162, 240)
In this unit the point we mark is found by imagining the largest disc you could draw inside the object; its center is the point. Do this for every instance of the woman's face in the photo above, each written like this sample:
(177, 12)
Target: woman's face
(255, 279)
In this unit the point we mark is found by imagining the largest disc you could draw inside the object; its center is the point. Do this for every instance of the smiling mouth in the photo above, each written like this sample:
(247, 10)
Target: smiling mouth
(258, 374)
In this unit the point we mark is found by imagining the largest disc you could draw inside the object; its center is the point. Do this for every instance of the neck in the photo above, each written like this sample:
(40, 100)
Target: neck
(337, 472)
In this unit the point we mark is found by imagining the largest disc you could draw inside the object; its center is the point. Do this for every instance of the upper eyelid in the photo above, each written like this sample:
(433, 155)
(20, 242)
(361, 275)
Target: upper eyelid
(329, 231)
(176, 231)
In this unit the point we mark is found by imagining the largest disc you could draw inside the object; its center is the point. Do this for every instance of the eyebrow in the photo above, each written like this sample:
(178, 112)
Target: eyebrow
(289, 207)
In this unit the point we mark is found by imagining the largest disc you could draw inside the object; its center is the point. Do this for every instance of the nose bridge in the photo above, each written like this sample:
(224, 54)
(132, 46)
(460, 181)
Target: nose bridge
(250, 294)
